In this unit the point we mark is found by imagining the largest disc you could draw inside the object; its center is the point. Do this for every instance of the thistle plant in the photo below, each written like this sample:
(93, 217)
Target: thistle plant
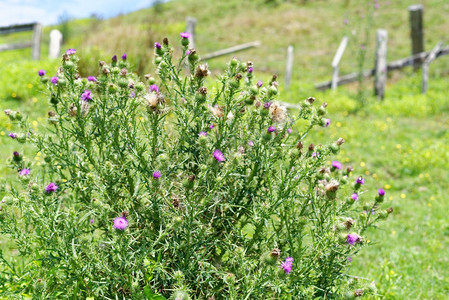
(180, 187)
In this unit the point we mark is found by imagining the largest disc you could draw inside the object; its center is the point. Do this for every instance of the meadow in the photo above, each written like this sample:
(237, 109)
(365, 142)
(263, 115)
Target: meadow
(399, 144)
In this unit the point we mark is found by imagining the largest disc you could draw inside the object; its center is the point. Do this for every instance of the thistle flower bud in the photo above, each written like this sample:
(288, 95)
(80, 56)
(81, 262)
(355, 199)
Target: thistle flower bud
(234, 62)
(272, 91)
(17, 156)
(193, 56)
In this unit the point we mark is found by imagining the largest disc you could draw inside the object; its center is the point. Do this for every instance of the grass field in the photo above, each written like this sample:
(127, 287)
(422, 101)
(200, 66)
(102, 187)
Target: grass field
(400, 144)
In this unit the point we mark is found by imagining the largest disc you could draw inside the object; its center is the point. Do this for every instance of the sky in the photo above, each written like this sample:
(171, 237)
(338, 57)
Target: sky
(48, 12)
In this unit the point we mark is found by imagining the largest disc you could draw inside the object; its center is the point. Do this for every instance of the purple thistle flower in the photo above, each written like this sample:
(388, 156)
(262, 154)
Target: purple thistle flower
(352, 239)
(24, 172)
(267, 105)
(185, 35)
(289, 130)
(132, 95)
(70, 51)
(336, 164)
(156, 175)
(86, 96)
(91, 221)
(16, 154)
(259, 83)
(271, 129)
(355, 196)
(219, 156)
(345, 21)
(41, 73)
(188, 52)
(120, 223)
(114, 58)
(250, 143)
(315, 154)
(349, 259)
(51, 187)
(362, 46)
(154, 88)
(287, 265)
(250, 69)
(157, 45)
(124, 56)
(54, 80)
(360, 180)
(381, 192)
(202, 134)
(327, 122)
(13, 135)
(92, 78)
(211, 126)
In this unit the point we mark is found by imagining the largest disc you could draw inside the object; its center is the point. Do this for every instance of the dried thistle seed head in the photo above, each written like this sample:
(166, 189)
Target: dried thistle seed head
(324, 104)
(217, 111)
(349, 223)
(390, 210)
(238, 76)
(311, 100)
(276, 253)
(358, 293)
(125, 214)
(51, 114)
(258, 104)
(274, 78)
(65, 57)
(101, 63)
(340, 141)
(84, 107)
(202, 71)
(106, 71)
(202, 90)
(147, 76)
(332, 186)
(152, 100)
(176, 201)
(300, 145)
(311, 147)
(73, 110)
(165, 41)
(123, 72)
(77, 76)
(241, 150)
(191, 178)
(278, 112)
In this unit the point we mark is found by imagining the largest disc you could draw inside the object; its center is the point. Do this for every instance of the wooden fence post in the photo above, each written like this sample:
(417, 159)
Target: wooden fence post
(381, 63)
(36, 43)
(336, 61)
(55, 43)
(190, 28)
(416, 32)
(425, 66)
(289, 67)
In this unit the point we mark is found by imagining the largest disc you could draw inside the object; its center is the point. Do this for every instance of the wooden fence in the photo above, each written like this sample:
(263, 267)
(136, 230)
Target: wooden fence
(34, 44)
(418, 58)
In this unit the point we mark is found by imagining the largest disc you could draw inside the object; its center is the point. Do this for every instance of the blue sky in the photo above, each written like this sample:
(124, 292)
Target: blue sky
(48, 11)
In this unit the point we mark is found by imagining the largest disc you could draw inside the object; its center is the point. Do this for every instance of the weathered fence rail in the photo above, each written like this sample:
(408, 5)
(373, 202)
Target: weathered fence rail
(34, 44)
(230, 50)
(394, 65)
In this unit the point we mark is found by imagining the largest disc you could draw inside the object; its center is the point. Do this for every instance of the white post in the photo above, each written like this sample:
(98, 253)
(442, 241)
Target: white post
(336, 61)
(190, 28)
(380, 69)
(425, 66)
(289, 67)
(36, 42)
(55, 43)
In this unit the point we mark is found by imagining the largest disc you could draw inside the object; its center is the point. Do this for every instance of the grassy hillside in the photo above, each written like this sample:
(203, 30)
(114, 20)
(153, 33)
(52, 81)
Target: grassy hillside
(399, 144)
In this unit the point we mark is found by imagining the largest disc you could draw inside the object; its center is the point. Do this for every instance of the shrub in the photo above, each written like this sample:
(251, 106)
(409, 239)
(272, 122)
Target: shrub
(167, 188)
